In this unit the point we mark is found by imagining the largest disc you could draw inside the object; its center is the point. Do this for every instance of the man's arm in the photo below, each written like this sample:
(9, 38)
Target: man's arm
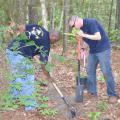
(96, 36)
(45, 71)
(36, 58)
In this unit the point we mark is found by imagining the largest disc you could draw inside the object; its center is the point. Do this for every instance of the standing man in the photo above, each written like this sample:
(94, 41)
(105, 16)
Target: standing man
(32, 40)
(95, 36)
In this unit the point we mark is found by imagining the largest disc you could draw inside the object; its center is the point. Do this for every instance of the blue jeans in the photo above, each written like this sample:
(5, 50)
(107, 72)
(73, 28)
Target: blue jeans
(22, 85)
(103, 58)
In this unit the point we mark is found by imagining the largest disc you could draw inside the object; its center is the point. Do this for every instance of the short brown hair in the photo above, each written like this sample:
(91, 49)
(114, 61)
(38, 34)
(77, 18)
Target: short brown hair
(55, 32)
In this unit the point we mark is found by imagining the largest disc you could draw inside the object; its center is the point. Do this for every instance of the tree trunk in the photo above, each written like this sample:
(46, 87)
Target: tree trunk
(21, 11)
(118, 15)
(66, 8)
(61, 22)
(52, 10)
(109, 25)
(44, 14)
(90, 9)
(32, 12)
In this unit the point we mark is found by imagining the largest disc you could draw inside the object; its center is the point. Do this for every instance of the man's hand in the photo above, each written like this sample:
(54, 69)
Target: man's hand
(17, 33)
(47, 77)
(81, 33)
(96, 36)
(10, 31)
(51, 79)
(36, 59)
(45, 73)
(77, 37)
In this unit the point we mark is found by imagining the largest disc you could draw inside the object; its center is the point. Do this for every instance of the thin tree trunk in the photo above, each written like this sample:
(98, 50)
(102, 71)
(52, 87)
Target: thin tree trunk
(52, 15)
(61, 21)
(32, 12)
(66, 8)
(109, 25)
(33, 17)
(90, 12)
(118, 14)
(44, 14)
(21, 15)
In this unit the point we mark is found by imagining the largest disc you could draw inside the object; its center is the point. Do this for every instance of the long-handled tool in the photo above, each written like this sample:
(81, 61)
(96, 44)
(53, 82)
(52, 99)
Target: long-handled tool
(71, 109)
(79, 88)
(83, 79)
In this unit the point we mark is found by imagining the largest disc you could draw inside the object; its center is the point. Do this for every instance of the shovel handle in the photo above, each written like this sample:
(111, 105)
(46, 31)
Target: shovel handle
(83, 54)
(58, 90)
(60, 93)
(78, 49)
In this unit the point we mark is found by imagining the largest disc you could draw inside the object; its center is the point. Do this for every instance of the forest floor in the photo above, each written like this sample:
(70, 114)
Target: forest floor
(65, 77)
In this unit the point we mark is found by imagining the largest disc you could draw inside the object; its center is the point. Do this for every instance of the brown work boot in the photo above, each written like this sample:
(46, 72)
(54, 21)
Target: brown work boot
(112, 99)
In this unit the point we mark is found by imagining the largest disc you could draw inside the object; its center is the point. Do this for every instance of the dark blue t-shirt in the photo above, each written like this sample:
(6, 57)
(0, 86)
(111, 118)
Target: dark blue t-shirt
(40, 39)
(91, 26)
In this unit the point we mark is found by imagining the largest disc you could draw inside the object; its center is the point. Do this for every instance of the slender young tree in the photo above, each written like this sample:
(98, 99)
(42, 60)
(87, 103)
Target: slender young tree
(110, 16)
(66, 9)
(52, 12)
(21, 11)
(32, 12)
(44, 14)
(118, 14)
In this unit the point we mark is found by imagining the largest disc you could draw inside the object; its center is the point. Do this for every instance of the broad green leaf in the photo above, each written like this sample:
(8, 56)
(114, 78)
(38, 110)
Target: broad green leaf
(59, 57)
(49, 67)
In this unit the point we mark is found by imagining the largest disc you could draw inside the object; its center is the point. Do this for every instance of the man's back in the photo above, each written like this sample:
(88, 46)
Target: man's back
(92, 26)
(30, 43)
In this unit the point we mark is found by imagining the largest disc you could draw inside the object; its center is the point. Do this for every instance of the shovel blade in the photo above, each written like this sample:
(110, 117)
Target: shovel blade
(79, 93)
(83, 81)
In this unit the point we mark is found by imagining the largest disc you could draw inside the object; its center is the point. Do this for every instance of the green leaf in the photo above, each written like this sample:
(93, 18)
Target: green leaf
(29, 71)
(48, 112)
(74, 31)
(59, 57)
(69, 34)
(102, 106)
(30, 43)
(15, 45)
(94, 115)
(42, 106)
(43, 98)
(49, 67)
(17, 86)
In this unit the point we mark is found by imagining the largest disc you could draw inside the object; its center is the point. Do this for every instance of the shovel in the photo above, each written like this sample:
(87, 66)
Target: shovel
(79, 87)
(71, 109)
(83, 79)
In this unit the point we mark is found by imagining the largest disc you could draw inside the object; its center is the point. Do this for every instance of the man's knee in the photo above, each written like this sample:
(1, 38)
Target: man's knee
(107, 72)
(91, 72)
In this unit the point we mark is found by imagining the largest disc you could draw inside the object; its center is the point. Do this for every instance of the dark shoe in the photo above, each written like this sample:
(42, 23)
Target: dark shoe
(91, 95)
(112, 99)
